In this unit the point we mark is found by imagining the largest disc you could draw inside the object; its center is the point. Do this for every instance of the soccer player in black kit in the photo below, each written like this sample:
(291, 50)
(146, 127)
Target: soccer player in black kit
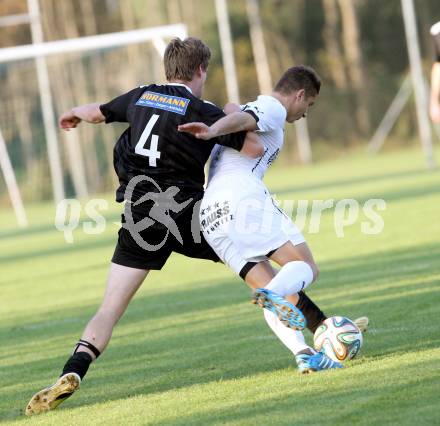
(153, 161)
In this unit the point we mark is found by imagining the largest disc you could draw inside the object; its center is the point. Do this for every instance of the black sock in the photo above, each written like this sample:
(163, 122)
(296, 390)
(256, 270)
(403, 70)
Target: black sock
(78, 363)
(314, 316)
(305, 352)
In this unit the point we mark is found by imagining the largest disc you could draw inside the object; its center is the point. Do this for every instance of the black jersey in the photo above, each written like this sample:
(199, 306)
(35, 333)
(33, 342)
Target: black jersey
(152, 146)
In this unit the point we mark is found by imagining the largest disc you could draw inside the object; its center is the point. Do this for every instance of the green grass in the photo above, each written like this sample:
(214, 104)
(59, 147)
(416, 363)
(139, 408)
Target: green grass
(192, 350)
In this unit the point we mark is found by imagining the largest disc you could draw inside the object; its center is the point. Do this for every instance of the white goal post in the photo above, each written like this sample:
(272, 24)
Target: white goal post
(38, 51)
(123, 38)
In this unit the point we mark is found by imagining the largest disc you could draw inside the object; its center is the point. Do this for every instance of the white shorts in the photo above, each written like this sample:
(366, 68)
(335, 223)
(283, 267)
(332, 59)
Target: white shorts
(242, 222)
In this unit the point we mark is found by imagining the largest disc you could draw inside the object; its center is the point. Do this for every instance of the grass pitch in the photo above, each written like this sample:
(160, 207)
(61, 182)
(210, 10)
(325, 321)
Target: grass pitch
(192, 350)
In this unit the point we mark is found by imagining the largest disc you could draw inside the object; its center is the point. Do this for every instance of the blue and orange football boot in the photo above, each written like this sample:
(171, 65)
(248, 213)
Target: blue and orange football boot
(286, 312)
(318, 362)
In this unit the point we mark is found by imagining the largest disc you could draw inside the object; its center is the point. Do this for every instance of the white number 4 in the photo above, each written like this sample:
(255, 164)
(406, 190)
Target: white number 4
(153, 154)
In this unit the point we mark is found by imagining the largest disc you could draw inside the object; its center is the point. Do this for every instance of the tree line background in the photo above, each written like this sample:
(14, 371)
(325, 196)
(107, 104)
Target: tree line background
(357, 46)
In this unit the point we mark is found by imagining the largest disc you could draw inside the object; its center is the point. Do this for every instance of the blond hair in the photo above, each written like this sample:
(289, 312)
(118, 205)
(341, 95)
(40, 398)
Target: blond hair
(183, 57)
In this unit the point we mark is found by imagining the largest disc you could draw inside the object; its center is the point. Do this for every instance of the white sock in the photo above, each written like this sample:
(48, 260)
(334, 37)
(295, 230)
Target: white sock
(292, 339)
(291, 278)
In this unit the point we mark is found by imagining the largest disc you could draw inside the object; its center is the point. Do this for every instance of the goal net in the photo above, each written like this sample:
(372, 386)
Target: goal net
(82, 70)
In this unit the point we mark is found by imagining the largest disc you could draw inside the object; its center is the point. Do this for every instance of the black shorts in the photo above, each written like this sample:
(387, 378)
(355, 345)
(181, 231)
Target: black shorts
(158, 242)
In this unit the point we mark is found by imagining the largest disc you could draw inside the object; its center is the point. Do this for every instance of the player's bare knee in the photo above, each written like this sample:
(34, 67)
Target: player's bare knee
(315, 272)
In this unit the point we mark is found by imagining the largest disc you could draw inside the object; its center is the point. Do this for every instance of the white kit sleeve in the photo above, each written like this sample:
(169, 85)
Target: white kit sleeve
(268, 113)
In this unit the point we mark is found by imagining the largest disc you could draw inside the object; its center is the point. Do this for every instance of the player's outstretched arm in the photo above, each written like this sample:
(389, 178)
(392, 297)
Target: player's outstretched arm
(252, 147)
(230, 107)
(89, 113)
(232, 123)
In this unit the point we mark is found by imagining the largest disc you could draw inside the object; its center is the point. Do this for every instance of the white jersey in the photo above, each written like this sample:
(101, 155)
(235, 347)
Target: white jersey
(270, 115)
(238, 217)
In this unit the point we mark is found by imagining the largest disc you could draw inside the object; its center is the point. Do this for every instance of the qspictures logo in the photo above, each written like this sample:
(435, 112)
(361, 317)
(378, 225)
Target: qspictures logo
(246, 217)
(164, 204)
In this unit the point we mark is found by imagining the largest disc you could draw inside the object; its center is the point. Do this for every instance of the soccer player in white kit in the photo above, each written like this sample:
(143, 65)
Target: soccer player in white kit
(238, 216)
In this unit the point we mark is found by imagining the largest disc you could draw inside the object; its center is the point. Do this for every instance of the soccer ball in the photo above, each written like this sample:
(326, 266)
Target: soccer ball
(339, 338)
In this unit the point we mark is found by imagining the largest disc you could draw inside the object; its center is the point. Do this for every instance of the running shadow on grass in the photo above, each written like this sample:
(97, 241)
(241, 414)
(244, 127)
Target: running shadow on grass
(386, 402)
(197, 342)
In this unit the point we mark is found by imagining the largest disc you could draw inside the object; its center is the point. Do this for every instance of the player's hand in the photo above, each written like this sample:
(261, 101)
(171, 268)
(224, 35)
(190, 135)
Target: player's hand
(69, 121)
(199, 130)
